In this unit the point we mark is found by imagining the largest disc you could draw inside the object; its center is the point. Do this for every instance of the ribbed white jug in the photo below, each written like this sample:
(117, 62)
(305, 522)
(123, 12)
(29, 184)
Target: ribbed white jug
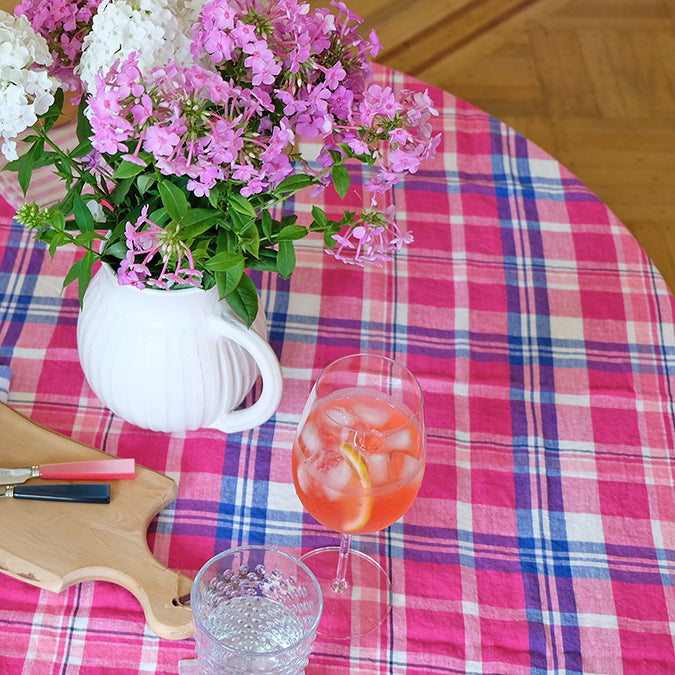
(174, 360)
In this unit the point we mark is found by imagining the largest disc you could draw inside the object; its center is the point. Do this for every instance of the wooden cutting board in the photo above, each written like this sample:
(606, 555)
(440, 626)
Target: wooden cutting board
(54, 545)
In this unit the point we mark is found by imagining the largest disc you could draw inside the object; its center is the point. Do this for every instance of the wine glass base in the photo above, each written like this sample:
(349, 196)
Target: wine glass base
(362, 606)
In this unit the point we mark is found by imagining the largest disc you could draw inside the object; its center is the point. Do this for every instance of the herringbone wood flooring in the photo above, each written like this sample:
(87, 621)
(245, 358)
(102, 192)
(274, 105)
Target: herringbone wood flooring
(590, 81)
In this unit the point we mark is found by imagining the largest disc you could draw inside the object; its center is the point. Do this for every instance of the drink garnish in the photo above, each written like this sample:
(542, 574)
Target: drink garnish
(365, 503)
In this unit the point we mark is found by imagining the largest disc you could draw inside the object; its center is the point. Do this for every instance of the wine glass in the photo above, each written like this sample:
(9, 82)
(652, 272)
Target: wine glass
(358, 462)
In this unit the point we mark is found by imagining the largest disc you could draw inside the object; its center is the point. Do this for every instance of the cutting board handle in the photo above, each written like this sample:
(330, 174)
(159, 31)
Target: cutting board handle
(158, 589)
(55, 545)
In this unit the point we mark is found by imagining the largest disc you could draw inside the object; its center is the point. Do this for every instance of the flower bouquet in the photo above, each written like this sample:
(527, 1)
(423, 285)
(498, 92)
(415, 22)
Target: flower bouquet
(188, 122)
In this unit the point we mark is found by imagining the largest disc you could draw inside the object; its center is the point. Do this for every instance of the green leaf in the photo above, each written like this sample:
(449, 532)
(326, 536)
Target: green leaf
(197, 221)
(224, 260)
(28, 163)
(83, 216)
(121, 190)
(319, 216)
(54, 112)
(144, 183)
(286, 259)
(266, 224)
(291, 232)
(244, 300)
(73, 273)
(228, 280)
(174, 200)
(288, 220)
(84, 275)
(57, 220)
(159, 216)
(250, 239)
(85, 239)
(127, 170)
(340, 179)
(294, 183)
(83, 148)
(84, 130)
(54, 239)
(242, 205)
(267, 262)
(116, 250)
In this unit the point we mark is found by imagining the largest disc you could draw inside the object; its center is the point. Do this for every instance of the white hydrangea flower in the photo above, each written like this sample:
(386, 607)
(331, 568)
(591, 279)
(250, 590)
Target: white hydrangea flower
(25, 91)
(155, 29)
(190, 9)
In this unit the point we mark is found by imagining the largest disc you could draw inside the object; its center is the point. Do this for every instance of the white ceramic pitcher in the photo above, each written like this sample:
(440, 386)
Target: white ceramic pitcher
(174, 360)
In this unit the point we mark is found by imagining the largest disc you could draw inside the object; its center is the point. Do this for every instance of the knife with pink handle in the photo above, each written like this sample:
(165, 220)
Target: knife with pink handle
(99, 469)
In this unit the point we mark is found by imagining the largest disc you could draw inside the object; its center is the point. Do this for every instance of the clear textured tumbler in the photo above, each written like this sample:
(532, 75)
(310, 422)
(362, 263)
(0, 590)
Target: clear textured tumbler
(256, 610)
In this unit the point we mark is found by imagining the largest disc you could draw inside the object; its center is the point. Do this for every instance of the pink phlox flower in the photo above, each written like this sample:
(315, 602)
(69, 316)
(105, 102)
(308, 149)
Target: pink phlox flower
(281, 137)
(181, 275)
(334, 75)
(134, 159)
(300, 53)
(311, 126)
(357, 145)
(93, 161)
(375, 44)
(383, 181)
(278, 170)
(205, 179)
(160, 141)
(378, 101)
(244, 33)
(255, 185)
(64, 25)
(261, 62)
(243, 172)
(218, 15)
(373, 239)
(108, 140)
(220, 46)
(343, 9)
(400, 136)
(266, 75)
(142, 110)
(132, 274)
(147, 239)
(341, 102)
(198, 188)
(324, 158)
(401, 161)
(292, 105)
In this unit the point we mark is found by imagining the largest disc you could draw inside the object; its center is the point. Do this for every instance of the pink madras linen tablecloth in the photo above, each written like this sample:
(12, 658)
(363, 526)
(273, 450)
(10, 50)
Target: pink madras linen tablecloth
(543, 538)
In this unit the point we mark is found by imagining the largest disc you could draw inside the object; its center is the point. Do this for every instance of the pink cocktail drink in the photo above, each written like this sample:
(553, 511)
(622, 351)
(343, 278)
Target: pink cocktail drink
(358, 461)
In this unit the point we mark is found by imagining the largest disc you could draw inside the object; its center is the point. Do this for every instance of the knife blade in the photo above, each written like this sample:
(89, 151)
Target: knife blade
(99, 469)
(83, 493)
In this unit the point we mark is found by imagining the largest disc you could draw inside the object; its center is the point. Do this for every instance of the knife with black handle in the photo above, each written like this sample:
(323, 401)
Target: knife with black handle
(83, 493)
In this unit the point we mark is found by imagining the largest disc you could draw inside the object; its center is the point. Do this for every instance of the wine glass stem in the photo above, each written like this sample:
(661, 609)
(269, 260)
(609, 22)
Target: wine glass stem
(340, 583)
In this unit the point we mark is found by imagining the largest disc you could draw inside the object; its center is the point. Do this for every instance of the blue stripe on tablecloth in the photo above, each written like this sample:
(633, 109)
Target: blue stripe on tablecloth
(19, 272)
(524, 413)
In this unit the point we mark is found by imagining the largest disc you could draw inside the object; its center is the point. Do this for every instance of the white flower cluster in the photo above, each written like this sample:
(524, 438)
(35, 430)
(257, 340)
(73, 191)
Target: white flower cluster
(156, 29)
(25, 91)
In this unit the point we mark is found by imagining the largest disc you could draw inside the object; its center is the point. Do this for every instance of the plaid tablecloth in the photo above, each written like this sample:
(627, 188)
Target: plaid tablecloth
(543, 538)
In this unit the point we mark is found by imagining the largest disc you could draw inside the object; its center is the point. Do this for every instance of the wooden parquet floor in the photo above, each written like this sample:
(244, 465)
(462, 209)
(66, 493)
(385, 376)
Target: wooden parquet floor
(590, 81)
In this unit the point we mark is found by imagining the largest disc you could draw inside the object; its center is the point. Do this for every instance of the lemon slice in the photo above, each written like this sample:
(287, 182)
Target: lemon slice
(362, 505)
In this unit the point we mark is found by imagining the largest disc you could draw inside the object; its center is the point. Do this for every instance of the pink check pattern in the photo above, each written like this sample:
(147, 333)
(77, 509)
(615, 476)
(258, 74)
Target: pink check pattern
(543, 538)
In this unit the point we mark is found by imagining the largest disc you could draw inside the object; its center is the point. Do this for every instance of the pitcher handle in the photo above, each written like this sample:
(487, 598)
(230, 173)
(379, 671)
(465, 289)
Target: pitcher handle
(270, 371)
